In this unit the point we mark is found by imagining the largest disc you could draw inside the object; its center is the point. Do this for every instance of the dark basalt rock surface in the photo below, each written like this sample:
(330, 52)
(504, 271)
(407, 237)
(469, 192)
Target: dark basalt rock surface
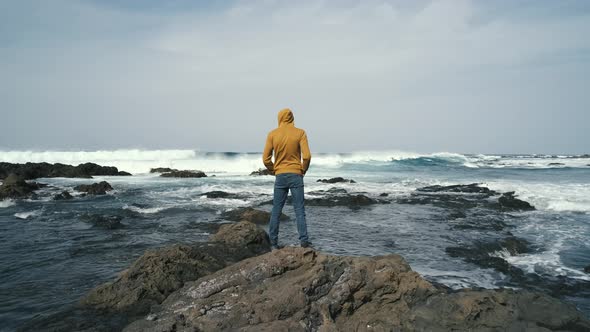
(14, 186)
(510, 203)
(100, 188)
(220, 194)
(163, 170)
(64, 195)
(184, 174)
(298, 289)
(336, 180)
(261, 171)
(249, 214)
(45, 170)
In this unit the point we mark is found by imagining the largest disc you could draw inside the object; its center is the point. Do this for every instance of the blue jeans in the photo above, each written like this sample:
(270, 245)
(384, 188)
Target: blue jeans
(283, 183)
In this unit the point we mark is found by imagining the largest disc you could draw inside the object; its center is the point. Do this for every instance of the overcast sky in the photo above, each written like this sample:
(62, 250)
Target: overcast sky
(425, 76)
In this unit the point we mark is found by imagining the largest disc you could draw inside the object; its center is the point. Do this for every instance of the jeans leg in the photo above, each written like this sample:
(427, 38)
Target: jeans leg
(279, 199)
(298, 204)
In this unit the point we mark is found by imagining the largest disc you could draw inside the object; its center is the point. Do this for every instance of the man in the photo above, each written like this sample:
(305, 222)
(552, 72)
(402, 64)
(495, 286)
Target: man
(291, 161)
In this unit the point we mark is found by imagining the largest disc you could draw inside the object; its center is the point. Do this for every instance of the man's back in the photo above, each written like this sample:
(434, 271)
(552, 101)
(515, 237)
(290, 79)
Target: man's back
(290, 146)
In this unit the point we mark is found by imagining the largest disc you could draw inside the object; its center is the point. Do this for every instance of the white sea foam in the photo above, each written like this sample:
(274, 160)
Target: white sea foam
(7, 203)
(151, 210)
(28, 214)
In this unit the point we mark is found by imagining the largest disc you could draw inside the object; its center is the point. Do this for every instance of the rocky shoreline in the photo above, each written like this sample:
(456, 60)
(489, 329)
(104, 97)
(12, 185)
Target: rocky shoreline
(234, 282)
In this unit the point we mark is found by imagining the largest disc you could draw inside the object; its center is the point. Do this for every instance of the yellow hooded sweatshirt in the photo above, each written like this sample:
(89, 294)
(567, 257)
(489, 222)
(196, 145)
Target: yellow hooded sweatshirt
(289, 145)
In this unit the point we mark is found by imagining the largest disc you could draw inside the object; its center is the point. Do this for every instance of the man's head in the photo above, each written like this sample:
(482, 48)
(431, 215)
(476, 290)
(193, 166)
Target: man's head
(286, 116)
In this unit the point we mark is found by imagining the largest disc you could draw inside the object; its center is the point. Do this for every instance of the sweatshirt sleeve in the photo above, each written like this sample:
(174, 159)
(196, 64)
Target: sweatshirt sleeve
(267, 154)
(305, 153)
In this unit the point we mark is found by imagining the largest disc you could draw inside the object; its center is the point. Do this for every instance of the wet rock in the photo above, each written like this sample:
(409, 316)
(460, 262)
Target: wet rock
(100, 188)
(64, 195)
(219, 194)
(15, 186)
(587, 269)
(336, 180)
(298, 289)
(123, 173)
(383, 195)
(262, 171)
(510, 203)
(253, 215)
(331, 191)
(352, 201)
(103, 221)
(556, 164)
(163, 170)
(160, 272)
(184, 174)
(45, 170)
(473, 188)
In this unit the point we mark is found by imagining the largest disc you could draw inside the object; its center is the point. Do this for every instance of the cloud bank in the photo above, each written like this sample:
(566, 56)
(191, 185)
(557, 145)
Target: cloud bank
(464, 76)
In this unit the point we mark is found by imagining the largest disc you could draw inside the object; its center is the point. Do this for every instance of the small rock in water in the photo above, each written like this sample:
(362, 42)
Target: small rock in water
(383, 195)
(63, 196)
(587, 269)
(261, 171)
(183, 174)
(336, 180)
(100, 188)
(151, 317)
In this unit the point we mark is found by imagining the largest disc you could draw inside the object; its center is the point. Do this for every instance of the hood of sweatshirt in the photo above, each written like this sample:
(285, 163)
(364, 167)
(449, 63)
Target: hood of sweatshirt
(285, 117)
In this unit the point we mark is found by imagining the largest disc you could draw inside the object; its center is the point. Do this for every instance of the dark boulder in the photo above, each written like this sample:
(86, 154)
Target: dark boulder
(383, 195)
(163, 170)
(473, 188)
(184, 174)
(556, 164)
(100, 188)
(123, 173)
(510, 203)
(352, 201)
(15, 186)
(336, 180)
(262, 171)
(64, 195)
(252, 215)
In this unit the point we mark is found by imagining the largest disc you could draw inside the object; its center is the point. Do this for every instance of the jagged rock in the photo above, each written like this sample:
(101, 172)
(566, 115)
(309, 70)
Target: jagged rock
(508, 202)
(459, 188)
(45, 170)
(262, 171)
(15, 186)
(159, 272)
(100, 188)
(219, 194)
(163, 170)
(183, 174)
(252, 215)
(64, 195)
(336, 180)
(298, 289)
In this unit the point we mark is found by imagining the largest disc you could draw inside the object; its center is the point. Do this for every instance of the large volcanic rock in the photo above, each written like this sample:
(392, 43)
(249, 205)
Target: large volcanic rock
(100, 188)
(183, 174)
(159, 272)
(256, 216)
(297, 289)
(46, 170)
(15, 186)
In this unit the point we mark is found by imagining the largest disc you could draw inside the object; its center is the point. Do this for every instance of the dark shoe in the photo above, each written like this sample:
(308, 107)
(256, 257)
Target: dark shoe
(306, 244)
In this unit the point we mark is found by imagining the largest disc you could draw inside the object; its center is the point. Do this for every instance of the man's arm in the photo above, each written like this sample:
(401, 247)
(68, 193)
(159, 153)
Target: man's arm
(305, 153)
(267, 154)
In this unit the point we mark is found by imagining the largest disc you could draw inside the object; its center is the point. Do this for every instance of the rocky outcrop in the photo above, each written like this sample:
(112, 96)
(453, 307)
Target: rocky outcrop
(15, 186)
(64, 195)
(100, 188)
(45, 170)
(163, 170)
(262, 171)
(159, 272)
(336, 180)
(298, 289)
(183, 174)
(253, 215)
(510, 203)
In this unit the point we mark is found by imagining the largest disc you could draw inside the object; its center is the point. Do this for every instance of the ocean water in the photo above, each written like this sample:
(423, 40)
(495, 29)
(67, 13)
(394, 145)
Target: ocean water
(51, 255)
